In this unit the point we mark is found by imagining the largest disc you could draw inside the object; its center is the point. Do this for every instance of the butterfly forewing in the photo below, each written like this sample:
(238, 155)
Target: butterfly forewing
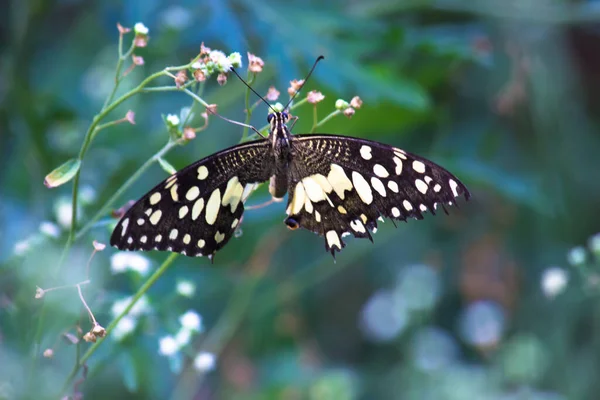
(342, 185)
(196, 210)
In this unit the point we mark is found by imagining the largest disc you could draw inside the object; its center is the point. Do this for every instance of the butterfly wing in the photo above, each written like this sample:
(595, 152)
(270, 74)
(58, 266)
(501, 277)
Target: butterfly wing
(196, 210)
(341, 185)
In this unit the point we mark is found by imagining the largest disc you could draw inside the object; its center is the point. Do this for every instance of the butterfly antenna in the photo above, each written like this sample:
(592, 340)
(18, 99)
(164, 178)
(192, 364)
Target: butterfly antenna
(250, 87)
(305, 79)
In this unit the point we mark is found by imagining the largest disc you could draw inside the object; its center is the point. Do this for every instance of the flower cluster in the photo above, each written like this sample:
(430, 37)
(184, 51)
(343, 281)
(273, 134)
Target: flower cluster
(214, 62)
(349, 108)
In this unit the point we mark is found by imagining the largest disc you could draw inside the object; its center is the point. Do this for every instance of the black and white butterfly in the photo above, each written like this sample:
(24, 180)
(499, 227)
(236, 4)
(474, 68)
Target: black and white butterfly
(336, 186)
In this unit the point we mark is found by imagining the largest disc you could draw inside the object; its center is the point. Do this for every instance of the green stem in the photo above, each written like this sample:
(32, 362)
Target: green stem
(141, 291)
(315, 119)
(327, 118)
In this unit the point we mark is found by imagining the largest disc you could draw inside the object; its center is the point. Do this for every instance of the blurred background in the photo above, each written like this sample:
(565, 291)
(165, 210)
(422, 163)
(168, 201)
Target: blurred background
(498, 300)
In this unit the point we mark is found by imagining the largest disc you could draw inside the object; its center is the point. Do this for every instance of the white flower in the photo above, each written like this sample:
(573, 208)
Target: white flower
(594, 243)
(183, 337)
(123, 261)
(124, 327)
(168, 346)
(21, 247)
(141, 306)
(554, 280)
(576, 256)
(50, 229)
(221, 61)
(173, 120)
(140, 29)
(186, 288)
(191, 321)
(235, 59)
(63, 211)
(277, 107)
(204, 361)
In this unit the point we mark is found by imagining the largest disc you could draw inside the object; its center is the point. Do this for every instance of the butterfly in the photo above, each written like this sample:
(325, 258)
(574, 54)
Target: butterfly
(336, 186)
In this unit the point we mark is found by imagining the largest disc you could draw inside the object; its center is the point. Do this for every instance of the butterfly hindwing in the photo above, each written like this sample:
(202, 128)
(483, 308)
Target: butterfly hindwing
(196, 210)
(342, 185)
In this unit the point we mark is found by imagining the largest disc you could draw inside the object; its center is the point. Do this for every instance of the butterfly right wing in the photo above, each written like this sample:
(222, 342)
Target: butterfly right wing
(196, 210)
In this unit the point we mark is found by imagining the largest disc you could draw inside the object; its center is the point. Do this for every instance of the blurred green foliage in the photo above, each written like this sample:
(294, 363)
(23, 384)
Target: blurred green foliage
(491, 302)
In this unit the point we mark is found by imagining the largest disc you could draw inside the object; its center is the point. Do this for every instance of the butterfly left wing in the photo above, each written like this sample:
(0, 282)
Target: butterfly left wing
(341, 185)
(196, 210)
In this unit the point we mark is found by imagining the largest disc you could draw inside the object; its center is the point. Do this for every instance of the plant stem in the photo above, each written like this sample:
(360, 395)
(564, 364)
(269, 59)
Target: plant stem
(141, 291)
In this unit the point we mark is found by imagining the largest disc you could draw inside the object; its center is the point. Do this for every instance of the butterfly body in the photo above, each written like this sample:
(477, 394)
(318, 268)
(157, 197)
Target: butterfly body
(336, 186)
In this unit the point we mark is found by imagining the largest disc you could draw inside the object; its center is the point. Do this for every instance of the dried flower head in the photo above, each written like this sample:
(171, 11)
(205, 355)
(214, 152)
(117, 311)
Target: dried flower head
(235, 59)
(272, 94)
(98, 246)
(222, 78)
(89, 337)
(189, 133)
(98, 330)
(314, 97)
(211, 109)
(48, 353)
(137, 60)
(356, 102)
(122, 30)
(130, 117)
(199, 75)
(39, 292)
(181, 78)
(295, 86)
(255, 64)
(204, 50)
(349, 112)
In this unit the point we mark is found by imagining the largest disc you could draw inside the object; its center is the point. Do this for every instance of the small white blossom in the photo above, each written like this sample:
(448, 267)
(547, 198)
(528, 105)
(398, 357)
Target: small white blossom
(186, 288)
(123, 261)
(576, 256)
(173, 120)
(183, 337)
(204, 362)
(63, 212)
(277, 107)
(141, 306)
(50, 229)
(554, 280)
(235, 59)
(140, 29)
(221, 61)
(594, 243)
(168, 346)
(124, 327)
(191, 321)
(21, 247)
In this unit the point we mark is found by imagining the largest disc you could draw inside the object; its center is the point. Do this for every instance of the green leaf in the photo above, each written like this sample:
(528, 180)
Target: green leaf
(62, 174)
(166, 166)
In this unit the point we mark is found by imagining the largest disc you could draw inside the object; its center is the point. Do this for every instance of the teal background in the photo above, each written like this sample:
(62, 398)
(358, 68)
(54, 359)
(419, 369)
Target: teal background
(501, 93)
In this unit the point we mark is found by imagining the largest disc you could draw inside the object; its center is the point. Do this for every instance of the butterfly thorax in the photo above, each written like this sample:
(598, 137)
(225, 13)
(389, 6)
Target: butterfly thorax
(280, 138)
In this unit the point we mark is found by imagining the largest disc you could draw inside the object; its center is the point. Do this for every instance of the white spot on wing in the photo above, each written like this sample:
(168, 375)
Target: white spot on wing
(197, 208)
(155, 198)
(202, 172)
(339, 180)
(395, 212)
(201, 243)
(124, 226)
(378, 186)
(393, 186)
(313, 190)
(398, 163)
(233, 193)
(155, 217)
(418, 166)
(187, 239)
(421, 186)
(183, 211)
(407, 205)
(192, 193)
(140, 221)
(173, 234)
(212, 207)
(437, 187)
(333, 239)
(380, 171)
(423, 207)
(158, 238)
(362, 188)
(358, 226)
(365, 152)
(453, 186)
(219, 237)
(174, 194)
(299, 198)
(144, 239)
